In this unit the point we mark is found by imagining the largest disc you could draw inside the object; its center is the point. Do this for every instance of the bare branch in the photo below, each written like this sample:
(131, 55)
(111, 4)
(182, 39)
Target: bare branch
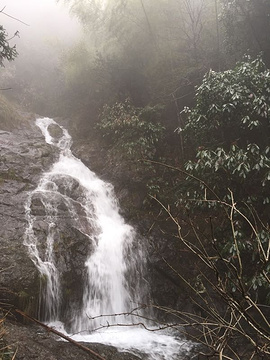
(12, 17)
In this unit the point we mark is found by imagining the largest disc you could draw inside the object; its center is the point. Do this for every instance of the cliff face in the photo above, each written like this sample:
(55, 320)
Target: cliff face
(24, 155)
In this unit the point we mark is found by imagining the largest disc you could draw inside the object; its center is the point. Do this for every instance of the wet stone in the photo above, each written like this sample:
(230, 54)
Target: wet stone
(20, 169)
(55, 131)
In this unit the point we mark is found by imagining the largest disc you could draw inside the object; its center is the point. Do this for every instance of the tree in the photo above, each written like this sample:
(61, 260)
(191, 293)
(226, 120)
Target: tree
(146, 49)
(246, 24)
(7, 52)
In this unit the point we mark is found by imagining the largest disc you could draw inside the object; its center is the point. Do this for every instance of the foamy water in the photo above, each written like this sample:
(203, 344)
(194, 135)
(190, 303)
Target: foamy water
(154, 344)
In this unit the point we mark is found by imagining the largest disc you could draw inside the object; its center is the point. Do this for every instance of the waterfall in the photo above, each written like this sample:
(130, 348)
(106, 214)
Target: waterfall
(113, 284)
(106, 289)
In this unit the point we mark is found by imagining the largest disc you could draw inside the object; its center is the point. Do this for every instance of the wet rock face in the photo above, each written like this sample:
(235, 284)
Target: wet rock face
(59, 211)
(24, 156)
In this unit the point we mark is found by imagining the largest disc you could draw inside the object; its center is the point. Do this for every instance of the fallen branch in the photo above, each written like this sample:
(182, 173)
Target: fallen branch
(56, 332)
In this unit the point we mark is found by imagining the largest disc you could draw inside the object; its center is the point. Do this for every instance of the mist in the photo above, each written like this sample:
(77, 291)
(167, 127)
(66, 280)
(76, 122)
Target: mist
(43, 19)
(41, 31)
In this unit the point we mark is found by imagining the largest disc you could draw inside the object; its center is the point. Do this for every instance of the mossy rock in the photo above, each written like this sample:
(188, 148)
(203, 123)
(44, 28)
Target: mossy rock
(55, 131)
(9, 115)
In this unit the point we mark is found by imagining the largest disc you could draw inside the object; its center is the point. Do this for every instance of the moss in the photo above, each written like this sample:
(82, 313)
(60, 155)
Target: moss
(27, 299)
(43, 279)
(9, 116)
(27, 302)
(23, 294)
(67, 292)
(10, 175)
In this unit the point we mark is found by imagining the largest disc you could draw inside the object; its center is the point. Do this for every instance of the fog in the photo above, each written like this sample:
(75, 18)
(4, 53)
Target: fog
(45, 19)
(107, 51)
(45, 31)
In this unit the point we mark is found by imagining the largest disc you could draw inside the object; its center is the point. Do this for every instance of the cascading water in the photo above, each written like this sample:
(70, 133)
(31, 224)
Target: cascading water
(113, 285)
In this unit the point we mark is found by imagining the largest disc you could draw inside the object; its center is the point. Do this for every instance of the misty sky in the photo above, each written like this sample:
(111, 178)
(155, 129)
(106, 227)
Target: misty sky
(46, 19)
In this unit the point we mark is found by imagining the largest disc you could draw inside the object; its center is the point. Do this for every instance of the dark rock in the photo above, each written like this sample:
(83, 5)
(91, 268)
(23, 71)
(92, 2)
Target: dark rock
(22, 160)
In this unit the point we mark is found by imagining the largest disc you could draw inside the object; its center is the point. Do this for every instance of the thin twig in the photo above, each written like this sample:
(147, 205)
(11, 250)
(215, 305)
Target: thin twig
(12, 17)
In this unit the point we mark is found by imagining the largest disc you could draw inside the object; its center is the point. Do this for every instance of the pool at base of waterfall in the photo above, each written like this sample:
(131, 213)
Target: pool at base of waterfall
(150, 344)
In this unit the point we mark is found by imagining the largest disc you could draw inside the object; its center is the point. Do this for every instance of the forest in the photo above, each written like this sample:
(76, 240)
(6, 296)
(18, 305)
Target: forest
(175, 94)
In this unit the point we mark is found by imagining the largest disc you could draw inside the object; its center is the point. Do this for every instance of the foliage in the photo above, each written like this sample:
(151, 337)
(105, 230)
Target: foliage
(227, 134)
(245, 169)
(246, 25)
(135, 132)
(7, 52)
(229, 131)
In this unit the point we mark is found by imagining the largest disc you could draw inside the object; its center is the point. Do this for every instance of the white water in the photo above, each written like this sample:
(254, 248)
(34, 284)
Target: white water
(108, 294)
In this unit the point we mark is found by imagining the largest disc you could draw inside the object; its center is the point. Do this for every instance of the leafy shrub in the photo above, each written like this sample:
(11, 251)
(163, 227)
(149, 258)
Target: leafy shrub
(7, 52)
(227, 134)
(135, 132)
